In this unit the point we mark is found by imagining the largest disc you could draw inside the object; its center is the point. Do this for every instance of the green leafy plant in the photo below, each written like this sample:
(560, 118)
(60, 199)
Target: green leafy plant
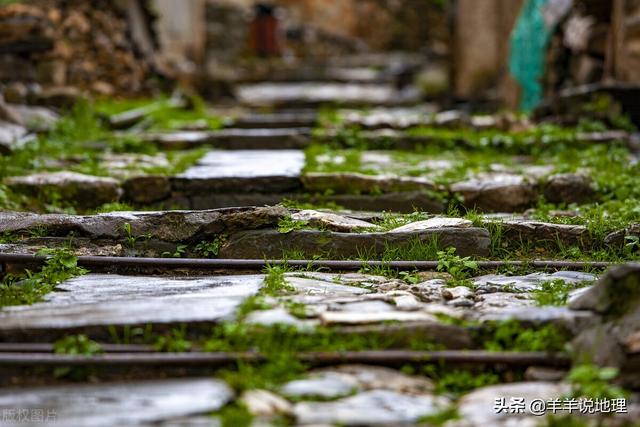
(287, 224)
(554, 292)
(510, 335)
(210, 248)
(77, 345)
(180, 250)
(594, 382)
(131, 239)
(174, 341)
(458, 267)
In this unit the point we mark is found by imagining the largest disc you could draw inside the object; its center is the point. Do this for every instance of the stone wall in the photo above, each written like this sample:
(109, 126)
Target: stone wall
(101, 46)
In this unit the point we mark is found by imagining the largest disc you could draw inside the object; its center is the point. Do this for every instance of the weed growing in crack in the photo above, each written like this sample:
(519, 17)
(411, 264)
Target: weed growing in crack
(210, 248)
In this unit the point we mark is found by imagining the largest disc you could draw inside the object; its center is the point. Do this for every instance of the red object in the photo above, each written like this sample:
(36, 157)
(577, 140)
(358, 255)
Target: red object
(264, 32)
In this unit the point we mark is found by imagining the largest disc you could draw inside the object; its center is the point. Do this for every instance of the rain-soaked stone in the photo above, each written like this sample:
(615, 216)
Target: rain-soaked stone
(478, 407)
(173, 226)
(351, 182)
(497, 192)
(232, 139)
(265, 403)
(243, 171)
(275, 316)
(621, 237)
(392, 118)
(104, 300)
(264, 94)
(326, 385)
(296, 119)
(517, 230)
(114, 404)
(498, 283)
(271, 244)
(381, 378)
(85, 190)
(312, 286)
(332, 221)
(437, 222)
(370, 408)
(356, 318)
(560, 316)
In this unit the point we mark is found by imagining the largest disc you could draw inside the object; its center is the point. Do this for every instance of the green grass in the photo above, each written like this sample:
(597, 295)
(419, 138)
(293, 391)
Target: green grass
(555, 292)
(32, 287)
(510, 335)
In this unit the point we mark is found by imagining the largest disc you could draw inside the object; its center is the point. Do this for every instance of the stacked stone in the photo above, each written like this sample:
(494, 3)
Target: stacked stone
(88, 45)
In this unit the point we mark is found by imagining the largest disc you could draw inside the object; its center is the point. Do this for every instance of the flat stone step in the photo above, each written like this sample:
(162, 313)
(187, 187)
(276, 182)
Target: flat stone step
(99, 300)
(315, 93)
(238, 139)
(243, 171)
(301, 119)
(112, 404)
(272, 244)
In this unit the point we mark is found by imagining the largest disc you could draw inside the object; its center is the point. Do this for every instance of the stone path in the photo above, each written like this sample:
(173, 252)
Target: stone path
(96, 300)
(402, 180)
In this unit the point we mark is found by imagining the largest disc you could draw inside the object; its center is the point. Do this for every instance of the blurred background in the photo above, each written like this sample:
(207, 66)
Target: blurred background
(489, 53)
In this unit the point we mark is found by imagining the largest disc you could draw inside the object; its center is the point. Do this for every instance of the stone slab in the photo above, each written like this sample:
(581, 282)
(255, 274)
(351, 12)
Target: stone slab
(312, 93)
(103, 300)
(114, 404)
(243, 171)
(163, 225)
(270, 243)
(301, 119)
(238, 139)
(85, 190)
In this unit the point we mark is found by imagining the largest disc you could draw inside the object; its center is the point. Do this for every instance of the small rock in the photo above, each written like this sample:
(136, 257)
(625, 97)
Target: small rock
(350, 318)
(264, 403)
(437, 222)
(12, 136)
(497, 192)
(332, 221)
(569, 188)
(274, 316)
(458, 292)
(327, 385)
(541, 373)
(320, 287)
(380, 378)
(405, 301)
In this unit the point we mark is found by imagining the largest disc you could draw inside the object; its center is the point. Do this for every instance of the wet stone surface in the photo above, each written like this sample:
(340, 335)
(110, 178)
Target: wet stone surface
(232, 139)
(116, 404)
(243, 171)
(85, 190)
(314, 93)
(103, 300)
